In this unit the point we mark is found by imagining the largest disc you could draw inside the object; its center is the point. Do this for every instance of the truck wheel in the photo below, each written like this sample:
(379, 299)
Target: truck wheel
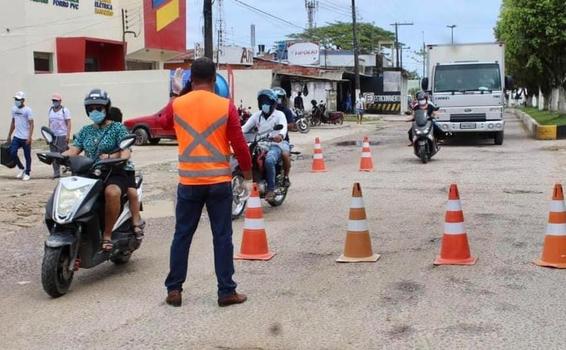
(499, 138)
(141, 136)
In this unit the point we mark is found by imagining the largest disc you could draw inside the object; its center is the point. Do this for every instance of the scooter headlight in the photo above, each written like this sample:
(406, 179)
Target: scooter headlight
(68, 200)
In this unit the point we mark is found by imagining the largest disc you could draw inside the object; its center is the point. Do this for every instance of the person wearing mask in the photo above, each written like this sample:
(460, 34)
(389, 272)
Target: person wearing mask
(97, 141)
(424, 104)
(22, 129)
(298, 102)
(206, 126)
(60, 123)
(265, 121)
(281, 106)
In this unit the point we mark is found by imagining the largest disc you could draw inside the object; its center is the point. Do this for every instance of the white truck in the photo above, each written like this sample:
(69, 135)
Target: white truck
(467, 83)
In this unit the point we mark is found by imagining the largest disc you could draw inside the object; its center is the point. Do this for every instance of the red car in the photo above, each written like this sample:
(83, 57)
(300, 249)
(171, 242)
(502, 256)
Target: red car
(152, 128)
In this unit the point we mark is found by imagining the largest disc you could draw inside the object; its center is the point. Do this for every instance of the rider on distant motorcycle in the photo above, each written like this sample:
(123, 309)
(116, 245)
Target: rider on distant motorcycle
(265, 121)
(281, 106)
(423, 103)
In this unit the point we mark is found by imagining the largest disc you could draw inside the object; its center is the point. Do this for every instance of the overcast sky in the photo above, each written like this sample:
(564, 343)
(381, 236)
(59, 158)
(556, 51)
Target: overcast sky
(474, 19)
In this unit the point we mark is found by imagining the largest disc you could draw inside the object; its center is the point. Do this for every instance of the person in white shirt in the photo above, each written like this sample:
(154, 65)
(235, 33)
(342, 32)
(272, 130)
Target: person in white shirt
(265, 121)
(360, 108)
(22, 128)
(60, 124)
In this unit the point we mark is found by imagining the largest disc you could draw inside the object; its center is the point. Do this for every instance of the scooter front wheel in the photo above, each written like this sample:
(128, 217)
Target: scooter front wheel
(56, 276)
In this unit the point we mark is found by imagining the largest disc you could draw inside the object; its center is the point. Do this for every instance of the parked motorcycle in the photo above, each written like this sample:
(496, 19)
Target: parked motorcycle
(259, 146)
(301, 122)
(424, 143)
(244, 113)
(320, 115)
(74, 216)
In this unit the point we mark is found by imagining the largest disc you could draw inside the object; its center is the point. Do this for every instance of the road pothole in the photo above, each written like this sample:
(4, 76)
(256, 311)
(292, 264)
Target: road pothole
(351, 143)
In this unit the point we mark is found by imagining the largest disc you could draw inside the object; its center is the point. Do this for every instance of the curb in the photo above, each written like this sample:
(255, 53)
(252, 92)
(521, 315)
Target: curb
(541, 132)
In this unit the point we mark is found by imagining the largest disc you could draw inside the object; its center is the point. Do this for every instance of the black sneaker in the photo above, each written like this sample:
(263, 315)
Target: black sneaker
(286, 182)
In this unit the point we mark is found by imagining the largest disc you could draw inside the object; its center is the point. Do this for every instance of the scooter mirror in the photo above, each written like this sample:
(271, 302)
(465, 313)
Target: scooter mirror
(127, 141)
(48, 135)
(278, 127)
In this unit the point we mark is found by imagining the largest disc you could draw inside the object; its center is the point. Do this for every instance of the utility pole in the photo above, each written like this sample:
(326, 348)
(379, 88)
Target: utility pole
(125, 30)
(452, 31)
(424, 57)
(252, 35)
(311, 6)
(403, 48)
(396, 24)
(220, 31)
(207, 12)
(356, 53)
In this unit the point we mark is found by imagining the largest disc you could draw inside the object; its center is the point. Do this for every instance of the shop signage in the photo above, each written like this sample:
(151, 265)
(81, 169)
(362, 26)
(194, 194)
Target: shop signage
(103, 7)
(71, 4)
(303, 54)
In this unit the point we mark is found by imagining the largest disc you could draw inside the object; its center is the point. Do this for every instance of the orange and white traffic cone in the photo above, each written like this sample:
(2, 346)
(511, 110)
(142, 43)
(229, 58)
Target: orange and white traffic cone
(554, 250)
(358, 242)
(366, 163)
(318, 165)
(254, 241)
(455, 249)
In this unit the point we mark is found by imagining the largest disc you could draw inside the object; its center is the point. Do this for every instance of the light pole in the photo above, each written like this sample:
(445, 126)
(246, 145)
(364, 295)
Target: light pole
(452, 31)
(396, 24)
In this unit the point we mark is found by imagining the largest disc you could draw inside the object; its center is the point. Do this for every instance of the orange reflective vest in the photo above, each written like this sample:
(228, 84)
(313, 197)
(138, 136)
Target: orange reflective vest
(201, 120)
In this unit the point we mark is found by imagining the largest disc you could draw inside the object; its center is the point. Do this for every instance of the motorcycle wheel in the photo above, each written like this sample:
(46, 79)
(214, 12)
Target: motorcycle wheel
(280, 193)
(303, 126)
(422, 154)
(121, 258)
(56, 277)
(238, 205)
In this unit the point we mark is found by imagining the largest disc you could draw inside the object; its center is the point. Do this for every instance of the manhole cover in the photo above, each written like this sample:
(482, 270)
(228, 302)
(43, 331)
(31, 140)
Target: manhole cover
(355, 143)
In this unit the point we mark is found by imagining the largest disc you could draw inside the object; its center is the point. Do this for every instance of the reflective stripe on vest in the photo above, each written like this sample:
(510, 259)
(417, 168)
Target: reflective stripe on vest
(200, 139)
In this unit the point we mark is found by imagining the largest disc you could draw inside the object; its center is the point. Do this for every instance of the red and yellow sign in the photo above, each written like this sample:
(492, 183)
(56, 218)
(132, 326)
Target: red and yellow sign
(165, 24)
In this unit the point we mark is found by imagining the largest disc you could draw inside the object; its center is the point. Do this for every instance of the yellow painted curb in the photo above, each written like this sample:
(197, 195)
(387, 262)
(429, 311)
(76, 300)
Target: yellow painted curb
(546, 132)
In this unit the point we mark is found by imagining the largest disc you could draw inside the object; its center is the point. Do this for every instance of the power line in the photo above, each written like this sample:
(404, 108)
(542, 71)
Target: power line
(269, 14)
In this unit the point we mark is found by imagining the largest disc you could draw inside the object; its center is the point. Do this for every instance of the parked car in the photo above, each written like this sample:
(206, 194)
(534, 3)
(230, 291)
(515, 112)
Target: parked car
(152, 128)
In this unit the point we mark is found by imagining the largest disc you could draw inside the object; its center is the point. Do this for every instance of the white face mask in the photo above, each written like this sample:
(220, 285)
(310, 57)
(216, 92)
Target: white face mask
(422, 102)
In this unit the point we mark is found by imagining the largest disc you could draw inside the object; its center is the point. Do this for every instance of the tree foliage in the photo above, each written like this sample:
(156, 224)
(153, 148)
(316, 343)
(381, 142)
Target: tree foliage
(534, 33)
(339, 35)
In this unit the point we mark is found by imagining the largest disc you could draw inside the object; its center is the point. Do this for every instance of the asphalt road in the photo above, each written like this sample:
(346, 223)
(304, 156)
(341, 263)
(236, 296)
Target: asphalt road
(302, 299)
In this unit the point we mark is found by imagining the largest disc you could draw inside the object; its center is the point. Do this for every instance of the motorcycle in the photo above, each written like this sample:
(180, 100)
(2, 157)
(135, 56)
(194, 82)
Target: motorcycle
(244, 113)
(320, 115)
(259, 146)
(74, 216)
(301, 122)
(424, 143)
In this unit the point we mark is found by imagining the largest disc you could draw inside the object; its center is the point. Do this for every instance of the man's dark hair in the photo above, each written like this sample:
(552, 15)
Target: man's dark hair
(203, 70)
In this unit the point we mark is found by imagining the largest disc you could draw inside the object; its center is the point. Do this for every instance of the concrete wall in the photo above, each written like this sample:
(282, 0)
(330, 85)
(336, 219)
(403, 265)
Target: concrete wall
(136, 93)
(247, 83)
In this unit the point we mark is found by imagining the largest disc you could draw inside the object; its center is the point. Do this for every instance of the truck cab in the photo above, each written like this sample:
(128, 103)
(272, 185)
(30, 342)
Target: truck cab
(468, 90)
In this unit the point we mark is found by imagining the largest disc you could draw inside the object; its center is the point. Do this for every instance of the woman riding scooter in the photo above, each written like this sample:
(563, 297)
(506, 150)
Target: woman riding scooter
(97, 140)
(430, 108)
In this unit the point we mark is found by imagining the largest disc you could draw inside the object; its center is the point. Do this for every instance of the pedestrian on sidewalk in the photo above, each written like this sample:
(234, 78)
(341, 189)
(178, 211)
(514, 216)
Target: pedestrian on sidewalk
(360, 108)
(60, 124)
(206, 125)
(22, 128)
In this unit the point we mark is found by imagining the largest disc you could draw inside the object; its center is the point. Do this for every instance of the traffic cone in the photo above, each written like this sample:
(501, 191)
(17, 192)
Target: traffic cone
(254, 241)
(318, 165)
(358, 241)
(455, 249)
(366, 163)
(554, 250)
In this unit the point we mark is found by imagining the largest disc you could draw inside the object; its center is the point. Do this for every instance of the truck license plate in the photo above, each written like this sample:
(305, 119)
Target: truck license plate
(467, 125)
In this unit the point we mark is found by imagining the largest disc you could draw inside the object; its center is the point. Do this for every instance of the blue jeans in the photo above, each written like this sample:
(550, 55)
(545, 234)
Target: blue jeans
(271, 160)
(18, 143)
(190, 201)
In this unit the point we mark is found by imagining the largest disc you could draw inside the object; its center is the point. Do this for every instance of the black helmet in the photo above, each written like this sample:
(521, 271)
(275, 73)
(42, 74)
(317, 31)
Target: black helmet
(421, 95)
(98, 97)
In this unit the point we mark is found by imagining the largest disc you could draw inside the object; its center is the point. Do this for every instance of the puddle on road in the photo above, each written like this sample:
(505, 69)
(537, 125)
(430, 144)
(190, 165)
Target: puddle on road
(158, 209)
(355, 143)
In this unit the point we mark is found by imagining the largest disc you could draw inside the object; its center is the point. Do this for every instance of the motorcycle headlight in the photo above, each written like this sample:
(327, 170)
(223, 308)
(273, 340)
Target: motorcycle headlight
(68, 200)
